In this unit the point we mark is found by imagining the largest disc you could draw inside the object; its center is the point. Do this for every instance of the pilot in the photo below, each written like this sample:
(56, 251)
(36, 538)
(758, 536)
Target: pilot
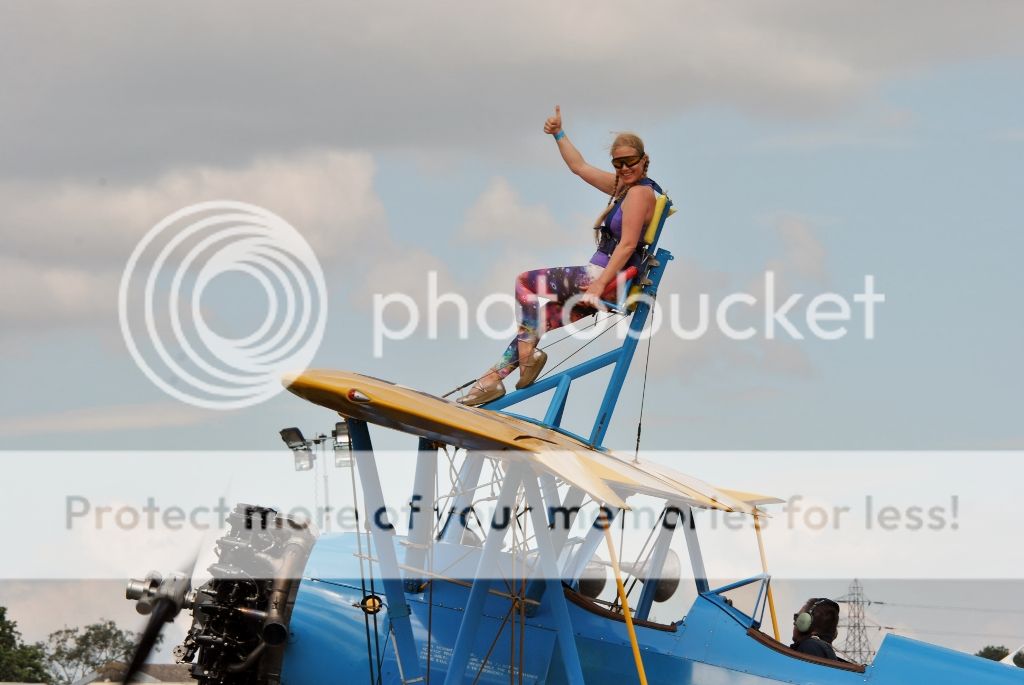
(815, 626)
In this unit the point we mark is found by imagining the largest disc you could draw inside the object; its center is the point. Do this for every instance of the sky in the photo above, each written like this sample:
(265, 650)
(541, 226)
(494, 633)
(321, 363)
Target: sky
(824, 143)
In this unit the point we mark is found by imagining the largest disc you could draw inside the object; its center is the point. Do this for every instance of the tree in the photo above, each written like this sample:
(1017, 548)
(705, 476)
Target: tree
(993, 652)
(1018, 659)
(18, 662)
(73, 653)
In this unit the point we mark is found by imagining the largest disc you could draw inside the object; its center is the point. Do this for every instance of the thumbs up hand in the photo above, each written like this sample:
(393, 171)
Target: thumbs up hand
(554, 123)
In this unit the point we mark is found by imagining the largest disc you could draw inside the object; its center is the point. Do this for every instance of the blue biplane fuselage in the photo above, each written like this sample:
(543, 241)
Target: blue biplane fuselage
(335, 640)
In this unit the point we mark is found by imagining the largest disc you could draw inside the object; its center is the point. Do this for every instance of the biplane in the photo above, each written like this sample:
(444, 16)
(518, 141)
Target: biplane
(512, 595)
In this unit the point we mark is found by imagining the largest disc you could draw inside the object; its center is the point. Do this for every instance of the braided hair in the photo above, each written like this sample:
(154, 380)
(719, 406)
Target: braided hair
(624, 139)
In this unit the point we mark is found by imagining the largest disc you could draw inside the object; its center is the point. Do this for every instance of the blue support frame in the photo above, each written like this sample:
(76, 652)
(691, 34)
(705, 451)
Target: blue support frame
(383, 539)
(421, 514)
(469, 478)
(657, 562)
(482, 582)
(700, 574)
(620, 357)
(548, 557)
(715, 597)
(586, 550)
(560, 530)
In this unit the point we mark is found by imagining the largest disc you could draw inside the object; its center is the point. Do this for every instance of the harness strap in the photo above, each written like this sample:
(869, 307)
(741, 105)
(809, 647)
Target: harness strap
(609, 242)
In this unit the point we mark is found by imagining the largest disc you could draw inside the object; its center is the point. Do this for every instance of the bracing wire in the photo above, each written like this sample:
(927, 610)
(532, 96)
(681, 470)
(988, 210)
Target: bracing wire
(362, 573)
(545, 347)
(643, 392)
(584, 346)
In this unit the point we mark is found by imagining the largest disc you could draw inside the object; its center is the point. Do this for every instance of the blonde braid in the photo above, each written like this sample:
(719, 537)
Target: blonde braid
(612, 199)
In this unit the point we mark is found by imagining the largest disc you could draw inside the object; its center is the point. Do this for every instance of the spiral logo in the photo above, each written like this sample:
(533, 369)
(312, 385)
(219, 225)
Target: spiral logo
(162, 295)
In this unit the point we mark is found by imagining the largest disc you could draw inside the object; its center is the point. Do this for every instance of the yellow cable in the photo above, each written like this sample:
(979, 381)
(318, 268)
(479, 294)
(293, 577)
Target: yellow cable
(625, 604)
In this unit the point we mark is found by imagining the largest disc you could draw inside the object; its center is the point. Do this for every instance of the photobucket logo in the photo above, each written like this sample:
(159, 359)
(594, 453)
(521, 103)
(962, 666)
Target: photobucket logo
(735, 316)
(172, 268)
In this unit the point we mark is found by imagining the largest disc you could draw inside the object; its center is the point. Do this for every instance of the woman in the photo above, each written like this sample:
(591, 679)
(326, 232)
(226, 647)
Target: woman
(629, 210)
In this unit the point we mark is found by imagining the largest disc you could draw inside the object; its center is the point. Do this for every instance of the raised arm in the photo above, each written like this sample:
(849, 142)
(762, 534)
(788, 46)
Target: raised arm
(602, 180)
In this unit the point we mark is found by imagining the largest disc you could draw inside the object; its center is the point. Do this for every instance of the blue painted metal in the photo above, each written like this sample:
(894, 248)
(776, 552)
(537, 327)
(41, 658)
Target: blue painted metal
(383, 538)
(481, 582)
(715, 596)
(585, 551)
(421, 515)
(549, 487)
(649, 276)
(555, 598)
(700, 574)
(557, 406)
(707, 645)
(461, 635)
(469, 477)
(659, 553)
(902, 660)
(620, 357)
(328, 642)
(636, 327)
(552, 381)
(561, 518)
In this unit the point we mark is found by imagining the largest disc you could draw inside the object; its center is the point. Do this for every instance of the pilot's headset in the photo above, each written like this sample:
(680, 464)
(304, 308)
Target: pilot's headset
(804, 621)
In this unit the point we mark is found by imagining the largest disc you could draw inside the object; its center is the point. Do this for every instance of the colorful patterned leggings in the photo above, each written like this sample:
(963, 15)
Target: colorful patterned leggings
(556, 285)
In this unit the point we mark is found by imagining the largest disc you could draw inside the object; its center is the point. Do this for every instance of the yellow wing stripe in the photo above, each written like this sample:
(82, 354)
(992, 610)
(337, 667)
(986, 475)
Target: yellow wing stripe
(602, 475)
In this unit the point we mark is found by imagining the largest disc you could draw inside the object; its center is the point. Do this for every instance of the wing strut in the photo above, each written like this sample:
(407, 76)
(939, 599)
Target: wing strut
(383, 539)
(764, 567)
(606, 524)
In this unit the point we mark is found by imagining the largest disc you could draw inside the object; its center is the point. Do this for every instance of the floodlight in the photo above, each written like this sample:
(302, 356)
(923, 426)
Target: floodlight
(342, 445)
(304, 459)
(293, 438)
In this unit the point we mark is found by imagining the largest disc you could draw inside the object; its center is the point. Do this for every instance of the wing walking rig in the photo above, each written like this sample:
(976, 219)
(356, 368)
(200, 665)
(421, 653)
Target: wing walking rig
(511, 596)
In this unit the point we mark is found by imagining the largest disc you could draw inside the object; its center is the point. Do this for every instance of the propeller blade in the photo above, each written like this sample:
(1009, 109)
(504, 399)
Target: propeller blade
(163, 611)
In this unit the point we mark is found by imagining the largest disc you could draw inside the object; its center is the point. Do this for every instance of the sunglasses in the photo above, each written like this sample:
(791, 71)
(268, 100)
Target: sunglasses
(620, 162)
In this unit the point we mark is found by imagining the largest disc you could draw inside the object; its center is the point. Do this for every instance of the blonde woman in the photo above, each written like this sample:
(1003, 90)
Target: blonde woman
(619, 230)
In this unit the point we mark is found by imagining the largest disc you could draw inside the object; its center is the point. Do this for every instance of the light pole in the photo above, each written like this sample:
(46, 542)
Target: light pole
(306, 459)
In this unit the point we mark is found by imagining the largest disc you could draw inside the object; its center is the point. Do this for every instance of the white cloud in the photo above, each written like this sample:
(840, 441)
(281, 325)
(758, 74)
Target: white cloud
(110, 418)
(1015, 135)
(802, 258)
(40, 294)
(68, 243)
(328, 196)
(500, 217)
(440, 75)
(804, 253)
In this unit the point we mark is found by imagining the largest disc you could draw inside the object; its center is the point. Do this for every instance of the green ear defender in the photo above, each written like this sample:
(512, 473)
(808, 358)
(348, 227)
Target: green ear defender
(805, 619)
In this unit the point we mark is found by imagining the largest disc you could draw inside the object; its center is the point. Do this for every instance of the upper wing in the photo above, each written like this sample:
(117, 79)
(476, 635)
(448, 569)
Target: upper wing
(411, 411)
(602, 475)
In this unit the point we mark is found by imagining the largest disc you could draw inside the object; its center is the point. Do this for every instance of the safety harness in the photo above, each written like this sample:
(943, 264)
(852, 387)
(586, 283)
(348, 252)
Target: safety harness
(608, 242)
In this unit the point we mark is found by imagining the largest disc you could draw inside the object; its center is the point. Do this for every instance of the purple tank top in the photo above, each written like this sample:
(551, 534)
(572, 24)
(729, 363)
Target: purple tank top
(614, 223)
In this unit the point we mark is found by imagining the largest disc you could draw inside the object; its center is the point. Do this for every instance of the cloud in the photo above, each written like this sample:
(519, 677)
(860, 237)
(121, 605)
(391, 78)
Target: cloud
(69, 242)
(804, 253)
(1014, 135)
(151, 88)
(110, 418)
(499, 216)
(328, 196)
(39, 294)
(802, 258)
(876, 125)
